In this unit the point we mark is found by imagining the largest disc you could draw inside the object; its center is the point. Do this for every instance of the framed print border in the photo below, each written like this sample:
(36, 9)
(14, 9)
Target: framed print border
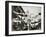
(7, 17)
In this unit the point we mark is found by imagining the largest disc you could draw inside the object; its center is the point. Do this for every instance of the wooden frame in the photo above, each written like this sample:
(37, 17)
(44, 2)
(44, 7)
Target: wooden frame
(7, 17)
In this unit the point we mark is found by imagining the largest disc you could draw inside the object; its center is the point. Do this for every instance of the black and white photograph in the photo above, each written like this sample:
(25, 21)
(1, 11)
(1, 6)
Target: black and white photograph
(25, 18)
